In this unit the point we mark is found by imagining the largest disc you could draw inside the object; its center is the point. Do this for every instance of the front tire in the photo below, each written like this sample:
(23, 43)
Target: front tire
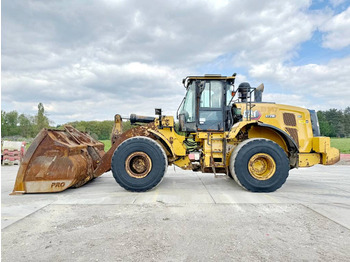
(139, 164)
(259, 165)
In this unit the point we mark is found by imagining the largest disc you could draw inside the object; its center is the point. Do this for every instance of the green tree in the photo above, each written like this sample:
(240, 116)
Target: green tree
(41, 119)
(98, 129)
(3, 123)
(347, 121)
(26, 125)
(336, 119)
(326, 128)
(9, 122)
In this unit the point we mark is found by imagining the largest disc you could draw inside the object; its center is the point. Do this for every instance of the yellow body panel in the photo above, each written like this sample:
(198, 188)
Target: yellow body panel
(321, 144)
(167, 132)
(213, 150)
(311, 159)
(330, 155)
(295, 121)
(183, 162)
(216, 147)
(237, 127)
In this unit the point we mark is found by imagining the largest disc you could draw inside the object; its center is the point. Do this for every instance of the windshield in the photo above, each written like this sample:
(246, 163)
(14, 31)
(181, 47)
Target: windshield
(212, 95)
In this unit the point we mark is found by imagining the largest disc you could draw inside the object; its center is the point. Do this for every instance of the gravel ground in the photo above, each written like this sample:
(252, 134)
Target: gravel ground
(188, 217)
(249, 232)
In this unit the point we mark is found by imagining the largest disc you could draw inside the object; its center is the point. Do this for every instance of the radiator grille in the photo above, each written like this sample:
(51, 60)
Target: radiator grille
(294, 134)
(289, 119)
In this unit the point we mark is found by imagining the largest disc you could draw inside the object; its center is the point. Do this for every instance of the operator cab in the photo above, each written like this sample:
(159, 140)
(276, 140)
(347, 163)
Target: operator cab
(208, 104)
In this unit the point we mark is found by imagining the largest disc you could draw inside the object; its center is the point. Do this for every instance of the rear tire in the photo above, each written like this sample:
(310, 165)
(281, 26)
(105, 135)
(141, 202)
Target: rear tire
(139, 164)
(259, 165)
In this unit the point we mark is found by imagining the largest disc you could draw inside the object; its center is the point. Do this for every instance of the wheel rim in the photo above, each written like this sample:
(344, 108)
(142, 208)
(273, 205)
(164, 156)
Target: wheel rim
(138, 165)
(261, 166)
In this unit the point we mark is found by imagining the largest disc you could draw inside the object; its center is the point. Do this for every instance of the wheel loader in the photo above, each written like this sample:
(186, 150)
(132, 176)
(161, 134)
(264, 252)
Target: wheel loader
(221, 129)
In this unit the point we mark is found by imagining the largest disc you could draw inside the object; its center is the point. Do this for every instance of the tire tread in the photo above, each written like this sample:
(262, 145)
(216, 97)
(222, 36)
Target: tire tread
(163, 170)
(240, 147)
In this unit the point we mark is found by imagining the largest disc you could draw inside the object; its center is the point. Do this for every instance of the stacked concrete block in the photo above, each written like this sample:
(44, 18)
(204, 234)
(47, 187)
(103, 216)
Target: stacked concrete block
(12, 152)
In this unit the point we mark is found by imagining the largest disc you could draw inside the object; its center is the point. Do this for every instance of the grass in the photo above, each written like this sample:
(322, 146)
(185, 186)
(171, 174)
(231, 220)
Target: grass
(107, 144)
(343, 144)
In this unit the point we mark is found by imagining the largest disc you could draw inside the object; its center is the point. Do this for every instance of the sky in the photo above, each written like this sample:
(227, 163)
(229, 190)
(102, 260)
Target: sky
(88, 60)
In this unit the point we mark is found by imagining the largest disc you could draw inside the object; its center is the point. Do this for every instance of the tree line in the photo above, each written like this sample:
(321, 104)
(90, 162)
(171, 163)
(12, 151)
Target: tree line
(100, 130)
(333, 123)
(27, 126)
(14, 124)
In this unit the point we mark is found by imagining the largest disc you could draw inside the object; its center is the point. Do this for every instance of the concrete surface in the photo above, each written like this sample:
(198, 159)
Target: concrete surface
(188, 217)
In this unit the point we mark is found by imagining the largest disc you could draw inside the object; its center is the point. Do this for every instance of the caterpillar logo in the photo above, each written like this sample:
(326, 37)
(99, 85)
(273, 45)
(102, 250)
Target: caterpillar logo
(254, 115)
(58, 184)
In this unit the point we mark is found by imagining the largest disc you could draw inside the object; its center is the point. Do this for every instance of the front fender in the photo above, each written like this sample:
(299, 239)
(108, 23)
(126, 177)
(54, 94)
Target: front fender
(172, 142)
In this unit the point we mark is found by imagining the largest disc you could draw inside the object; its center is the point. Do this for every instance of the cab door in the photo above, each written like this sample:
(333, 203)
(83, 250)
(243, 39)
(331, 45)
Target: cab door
(211, 105)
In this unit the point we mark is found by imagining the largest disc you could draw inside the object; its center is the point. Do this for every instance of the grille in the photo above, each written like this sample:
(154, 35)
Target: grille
(294, 134)
(289, 119)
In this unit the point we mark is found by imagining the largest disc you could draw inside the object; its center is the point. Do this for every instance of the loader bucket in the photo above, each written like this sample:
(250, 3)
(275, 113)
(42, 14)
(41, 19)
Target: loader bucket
(57, 160)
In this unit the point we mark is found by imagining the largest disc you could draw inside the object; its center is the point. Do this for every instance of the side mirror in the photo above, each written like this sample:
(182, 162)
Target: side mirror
(158, 111)
(182, 122)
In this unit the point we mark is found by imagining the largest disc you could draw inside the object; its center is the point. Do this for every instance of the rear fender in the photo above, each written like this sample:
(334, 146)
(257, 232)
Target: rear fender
(292, 147)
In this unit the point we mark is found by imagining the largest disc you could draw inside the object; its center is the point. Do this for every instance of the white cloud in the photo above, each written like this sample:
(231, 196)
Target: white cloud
(92, 60)
(336, 3)
(166, 32)
(337, 31)
(323, 85)
(95, 91)
(287, 99)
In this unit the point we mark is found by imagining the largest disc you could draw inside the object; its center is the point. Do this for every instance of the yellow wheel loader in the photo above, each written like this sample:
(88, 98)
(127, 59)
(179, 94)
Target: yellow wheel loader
(222, 129)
